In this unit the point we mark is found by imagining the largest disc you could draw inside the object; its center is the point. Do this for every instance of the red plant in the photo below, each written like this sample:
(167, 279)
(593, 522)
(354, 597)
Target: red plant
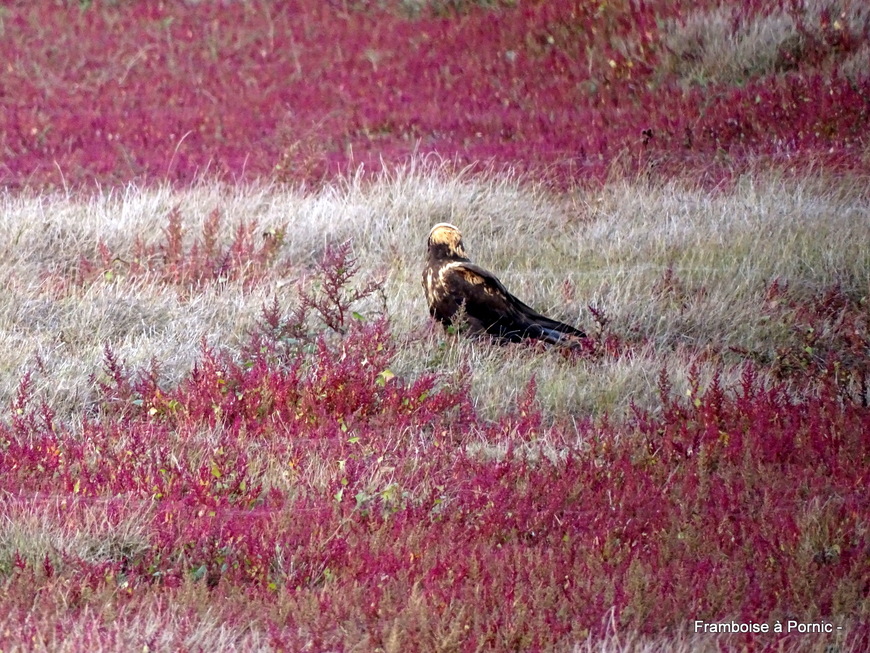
(315, 495)
(189, 265)
(137, 91)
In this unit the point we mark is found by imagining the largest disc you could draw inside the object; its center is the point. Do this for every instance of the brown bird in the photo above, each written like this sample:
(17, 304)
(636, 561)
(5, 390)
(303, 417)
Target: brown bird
(453, 284)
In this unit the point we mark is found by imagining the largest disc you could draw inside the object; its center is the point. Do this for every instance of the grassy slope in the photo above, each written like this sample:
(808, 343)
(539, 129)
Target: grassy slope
(114, 92)
(677, 271)
(612, 246)
(595, 515)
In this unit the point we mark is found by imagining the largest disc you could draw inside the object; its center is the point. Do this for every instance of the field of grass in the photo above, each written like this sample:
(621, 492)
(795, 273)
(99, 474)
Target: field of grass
(227, 422)
(110, 92)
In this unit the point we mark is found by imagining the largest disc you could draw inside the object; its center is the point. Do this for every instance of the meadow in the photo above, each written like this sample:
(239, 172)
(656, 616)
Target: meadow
(229, 424)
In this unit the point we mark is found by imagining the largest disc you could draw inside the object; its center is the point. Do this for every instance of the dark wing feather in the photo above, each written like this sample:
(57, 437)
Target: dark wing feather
(490, 308)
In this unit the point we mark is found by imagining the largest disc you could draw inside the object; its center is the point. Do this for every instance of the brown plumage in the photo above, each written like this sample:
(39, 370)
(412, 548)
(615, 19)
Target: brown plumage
(454, 284)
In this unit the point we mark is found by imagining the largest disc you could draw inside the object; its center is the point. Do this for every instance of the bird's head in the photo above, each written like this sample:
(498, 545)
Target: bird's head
(445, 241)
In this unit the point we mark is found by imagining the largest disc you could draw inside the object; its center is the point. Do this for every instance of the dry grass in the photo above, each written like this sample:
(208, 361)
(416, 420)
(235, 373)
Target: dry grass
(154, 625)
(616, 246)
(698, 643)
(720, 45)
(679, 272)
(53, 528)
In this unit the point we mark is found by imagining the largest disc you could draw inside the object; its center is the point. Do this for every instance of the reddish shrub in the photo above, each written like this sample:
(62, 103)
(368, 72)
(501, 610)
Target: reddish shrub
(138, 91)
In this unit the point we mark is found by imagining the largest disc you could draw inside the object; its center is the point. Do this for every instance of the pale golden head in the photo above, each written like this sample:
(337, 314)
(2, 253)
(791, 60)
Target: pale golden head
(447, 240)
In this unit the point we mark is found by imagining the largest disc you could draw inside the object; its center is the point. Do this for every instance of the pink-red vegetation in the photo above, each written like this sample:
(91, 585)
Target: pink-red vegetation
(113, 92)
(297, 487)
(307, 491)
(248, 258)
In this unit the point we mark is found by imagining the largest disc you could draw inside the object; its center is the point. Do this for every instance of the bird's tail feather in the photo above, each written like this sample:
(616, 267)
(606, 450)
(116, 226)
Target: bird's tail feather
(562, 338)
(556, 333)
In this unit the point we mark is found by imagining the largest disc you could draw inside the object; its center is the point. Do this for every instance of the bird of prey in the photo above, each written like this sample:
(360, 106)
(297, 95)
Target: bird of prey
(458, 290)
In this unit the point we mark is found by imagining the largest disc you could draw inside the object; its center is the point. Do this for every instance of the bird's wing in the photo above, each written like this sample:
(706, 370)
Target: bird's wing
(499, 312)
